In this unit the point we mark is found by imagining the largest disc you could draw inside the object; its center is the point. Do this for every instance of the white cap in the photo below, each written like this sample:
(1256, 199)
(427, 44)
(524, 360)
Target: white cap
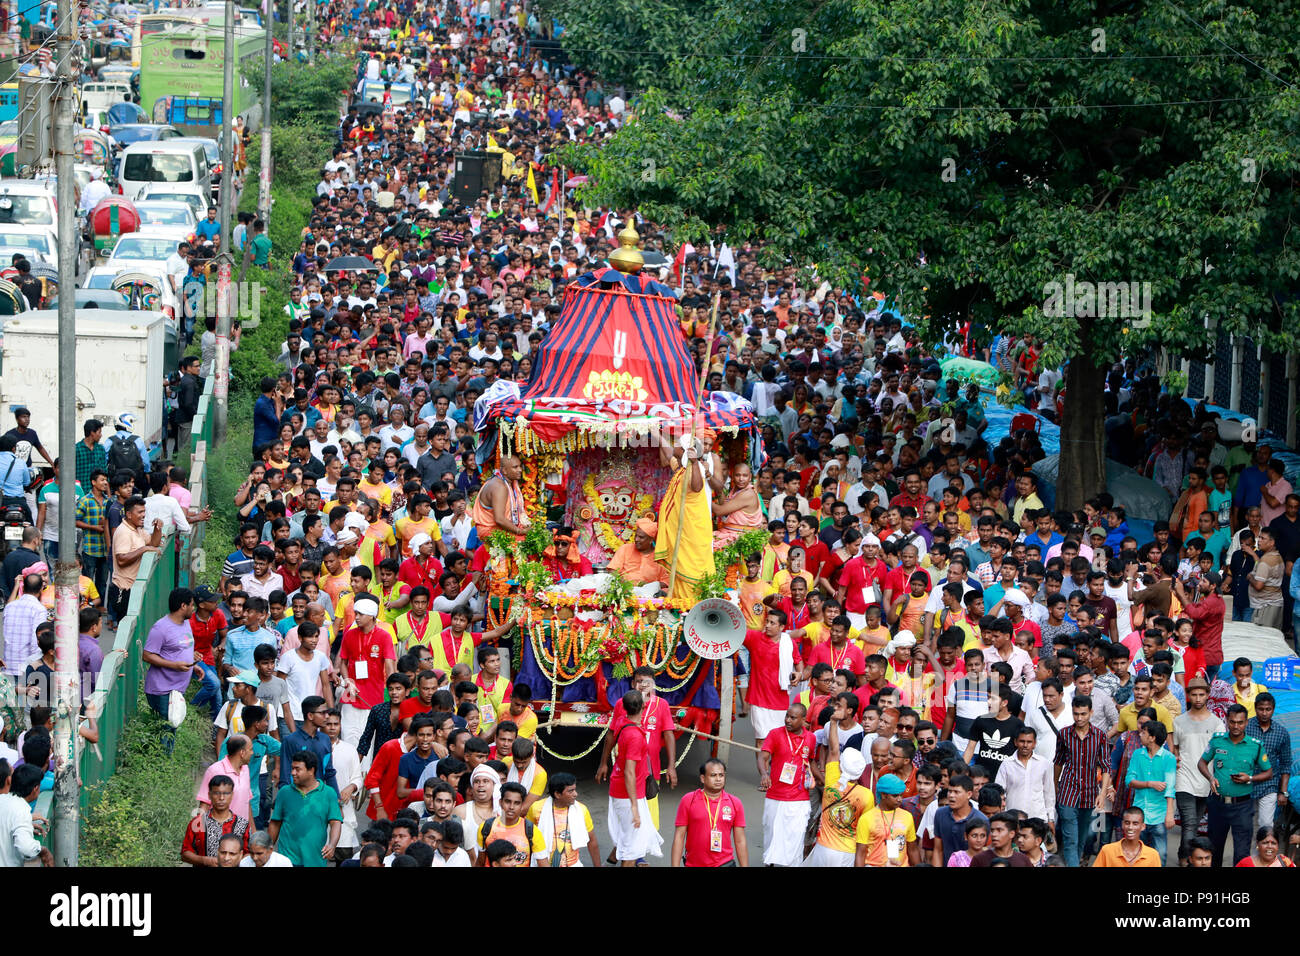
(366, 605)
(420, 539)
(354, 520)
(870, 539)
(346, 537)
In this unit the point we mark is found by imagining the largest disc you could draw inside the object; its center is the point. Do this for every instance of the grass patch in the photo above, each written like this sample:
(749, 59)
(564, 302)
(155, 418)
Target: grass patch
(140, 815)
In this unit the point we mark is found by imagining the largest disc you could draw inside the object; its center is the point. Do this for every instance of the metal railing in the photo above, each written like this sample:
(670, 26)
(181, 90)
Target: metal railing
(117, 689)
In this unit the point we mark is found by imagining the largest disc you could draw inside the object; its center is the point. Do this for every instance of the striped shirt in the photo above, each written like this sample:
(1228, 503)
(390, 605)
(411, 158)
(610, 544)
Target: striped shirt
(1080, 760)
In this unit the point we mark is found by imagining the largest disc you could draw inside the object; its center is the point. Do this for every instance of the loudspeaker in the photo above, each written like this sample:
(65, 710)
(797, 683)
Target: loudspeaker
(492, 171)
(714, 628)
(467, 184)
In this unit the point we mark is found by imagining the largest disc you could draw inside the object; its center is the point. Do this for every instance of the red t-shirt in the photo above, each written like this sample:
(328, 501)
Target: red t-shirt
(856, 578)
(204, 632)
(413, 573)
(815, 555)
(292, 580)
(629, 746)
(866, 692)
(413, 706)
(371, 650)
(939, 707)
(654, 721)
(1032, 628)
(789, 750)
(849, 656)
(700, 815)
(764, 679)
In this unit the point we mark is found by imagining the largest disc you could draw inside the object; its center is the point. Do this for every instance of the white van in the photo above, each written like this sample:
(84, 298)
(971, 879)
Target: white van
(163, 162)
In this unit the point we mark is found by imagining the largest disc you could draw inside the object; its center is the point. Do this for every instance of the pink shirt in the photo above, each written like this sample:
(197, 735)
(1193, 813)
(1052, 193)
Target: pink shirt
(243, 796)
(181, 494)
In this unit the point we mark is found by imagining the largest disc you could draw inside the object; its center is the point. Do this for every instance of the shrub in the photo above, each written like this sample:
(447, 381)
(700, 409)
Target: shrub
(140, 815)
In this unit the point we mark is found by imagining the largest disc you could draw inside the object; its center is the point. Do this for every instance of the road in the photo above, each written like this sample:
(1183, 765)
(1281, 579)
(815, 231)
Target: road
(742, 782)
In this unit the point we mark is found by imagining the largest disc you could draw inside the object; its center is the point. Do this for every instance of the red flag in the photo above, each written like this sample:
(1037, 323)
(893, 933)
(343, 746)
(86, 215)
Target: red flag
(679, 261)
(555, 190)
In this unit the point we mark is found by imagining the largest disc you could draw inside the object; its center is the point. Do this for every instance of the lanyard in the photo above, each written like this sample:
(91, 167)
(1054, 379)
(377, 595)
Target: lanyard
(837, 661)
(789, 742)
(709, 811)
(448, 636)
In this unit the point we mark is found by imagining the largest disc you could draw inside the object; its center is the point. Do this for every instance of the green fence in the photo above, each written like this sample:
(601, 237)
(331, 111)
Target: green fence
(117, 690)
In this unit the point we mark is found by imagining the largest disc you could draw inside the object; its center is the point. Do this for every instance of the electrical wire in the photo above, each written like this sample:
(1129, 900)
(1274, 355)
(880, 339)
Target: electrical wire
(1182, 13)
(887, 57)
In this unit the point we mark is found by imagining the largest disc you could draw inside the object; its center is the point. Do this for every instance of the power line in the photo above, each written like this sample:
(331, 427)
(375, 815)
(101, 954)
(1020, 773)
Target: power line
(1182, 13)
(1049, 107)
(892, 57)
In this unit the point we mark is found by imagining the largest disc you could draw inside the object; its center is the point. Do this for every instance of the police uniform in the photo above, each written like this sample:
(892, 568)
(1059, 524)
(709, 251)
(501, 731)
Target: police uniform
(1233, 808)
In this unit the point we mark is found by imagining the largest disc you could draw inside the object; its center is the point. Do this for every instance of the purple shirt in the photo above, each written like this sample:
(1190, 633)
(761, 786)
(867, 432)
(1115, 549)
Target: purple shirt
(171, 642)
(89, 660)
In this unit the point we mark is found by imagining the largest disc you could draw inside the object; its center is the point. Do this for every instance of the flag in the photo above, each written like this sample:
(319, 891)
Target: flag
(679, 261)
(532, 184)
(492, 143)
(555, 190)
(727, 261)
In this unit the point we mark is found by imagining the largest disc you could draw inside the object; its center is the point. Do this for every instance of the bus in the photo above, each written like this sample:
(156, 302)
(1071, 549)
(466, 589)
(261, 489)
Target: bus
(182, 77)
(168, 19)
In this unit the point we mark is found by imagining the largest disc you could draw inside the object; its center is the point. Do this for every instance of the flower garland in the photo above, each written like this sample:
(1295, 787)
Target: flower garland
(559, 756)
(579, 648)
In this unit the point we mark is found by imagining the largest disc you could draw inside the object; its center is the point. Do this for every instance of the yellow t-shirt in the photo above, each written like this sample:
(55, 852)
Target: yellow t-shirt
(564, 842)
(517, 834)
(1128, 716)
(527, 722)
(491, 703)
(537, 788)
(783, 578)
(408, 528)
(876, 828)
(396, 591)
(752, 594)
(380, 492)
(842, 808)
(867, 647)
(1247, 697)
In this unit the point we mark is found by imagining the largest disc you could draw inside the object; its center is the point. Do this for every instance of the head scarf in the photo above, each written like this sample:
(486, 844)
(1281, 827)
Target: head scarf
(483, 770)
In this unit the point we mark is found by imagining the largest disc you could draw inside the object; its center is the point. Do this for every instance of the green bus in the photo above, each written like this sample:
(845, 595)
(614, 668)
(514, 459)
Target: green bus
(182, 77)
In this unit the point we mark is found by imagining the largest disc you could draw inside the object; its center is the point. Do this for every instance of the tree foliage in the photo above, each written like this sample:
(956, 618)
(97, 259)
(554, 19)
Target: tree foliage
(965, 156)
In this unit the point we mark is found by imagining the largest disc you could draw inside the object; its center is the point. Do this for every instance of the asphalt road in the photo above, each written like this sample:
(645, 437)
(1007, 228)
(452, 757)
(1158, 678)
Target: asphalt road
(742, 782)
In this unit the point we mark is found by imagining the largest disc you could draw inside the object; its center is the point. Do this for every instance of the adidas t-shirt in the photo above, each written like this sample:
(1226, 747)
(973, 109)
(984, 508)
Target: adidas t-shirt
(995, 741)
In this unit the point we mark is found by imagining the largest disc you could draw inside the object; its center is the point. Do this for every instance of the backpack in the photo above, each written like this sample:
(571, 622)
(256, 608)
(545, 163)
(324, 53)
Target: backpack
(124, 455)
(486, 830)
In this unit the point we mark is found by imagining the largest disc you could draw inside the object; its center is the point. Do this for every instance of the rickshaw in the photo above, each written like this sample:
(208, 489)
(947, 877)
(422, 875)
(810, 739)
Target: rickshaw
(143, 291)
(93, 147)
(111, 217)
(12, 300)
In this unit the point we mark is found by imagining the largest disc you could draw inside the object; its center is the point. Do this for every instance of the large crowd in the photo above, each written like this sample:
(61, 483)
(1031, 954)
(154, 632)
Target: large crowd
(938, 669)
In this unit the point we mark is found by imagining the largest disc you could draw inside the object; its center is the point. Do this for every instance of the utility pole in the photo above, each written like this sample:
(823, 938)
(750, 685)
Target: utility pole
(288, 13)
(221, 387)
(67, 594)
(311, 32)
(264, 172)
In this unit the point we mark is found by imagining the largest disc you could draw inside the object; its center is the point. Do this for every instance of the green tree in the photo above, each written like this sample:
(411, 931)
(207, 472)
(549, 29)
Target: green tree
(966, 157)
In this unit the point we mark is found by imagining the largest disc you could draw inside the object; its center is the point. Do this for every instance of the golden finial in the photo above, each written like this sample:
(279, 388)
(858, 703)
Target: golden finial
(627, 257)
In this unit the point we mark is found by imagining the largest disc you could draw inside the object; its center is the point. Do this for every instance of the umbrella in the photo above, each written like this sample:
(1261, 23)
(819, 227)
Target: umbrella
(654, 259)
(44, 270)
(350, 264)
(575, 181)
